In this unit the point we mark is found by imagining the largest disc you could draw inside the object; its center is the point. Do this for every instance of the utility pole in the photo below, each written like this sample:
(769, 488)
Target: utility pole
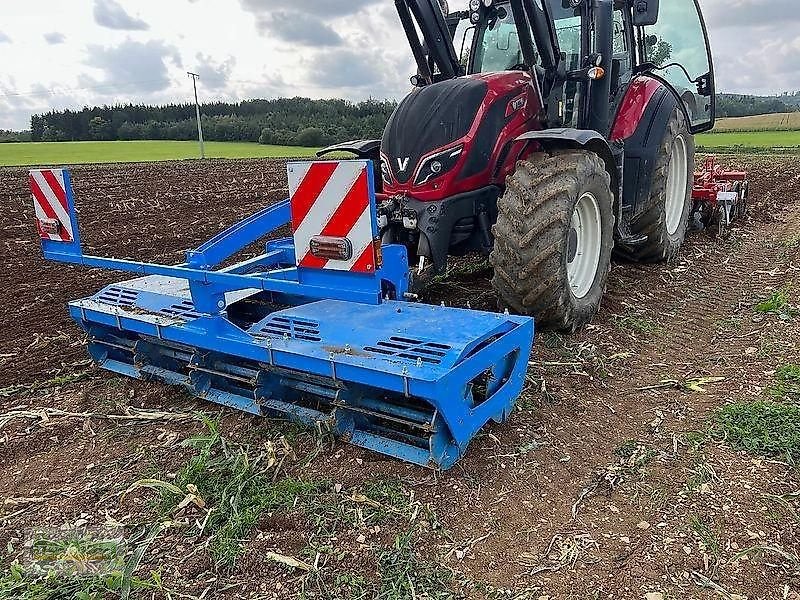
(195, 77)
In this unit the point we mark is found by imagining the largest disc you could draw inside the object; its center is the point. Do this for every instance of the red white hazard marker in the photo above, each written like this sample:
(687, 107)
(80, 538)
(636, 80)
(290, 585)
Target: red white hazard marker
(332, 217)
(51, 206)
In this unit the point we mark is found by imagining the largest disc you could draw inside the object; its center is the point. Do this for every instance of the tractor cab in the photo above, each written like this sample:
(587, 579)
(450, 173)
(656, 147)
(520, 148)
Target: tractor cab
(623, 38)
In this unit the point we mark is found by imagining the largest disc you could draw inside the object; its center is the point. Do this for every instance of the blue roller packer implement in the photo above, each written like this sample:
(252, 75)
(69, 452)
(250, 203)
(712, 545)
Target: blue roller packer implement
(317, 328)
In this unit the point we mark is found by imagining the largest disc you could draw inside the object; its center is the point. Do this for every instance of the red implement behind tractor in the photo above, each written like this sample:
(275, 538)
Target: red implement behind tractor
(720, 196)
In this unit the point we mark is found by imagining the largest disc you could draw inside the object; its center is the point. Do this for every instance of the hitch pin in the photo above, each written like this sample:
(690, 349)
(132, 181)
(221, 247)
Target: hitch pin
(269, 352)
(332, 358)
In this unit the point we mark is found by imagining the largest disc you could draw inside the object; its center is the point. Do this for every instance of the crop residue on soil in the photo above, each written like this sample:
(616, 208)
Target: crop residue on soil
(605, 482)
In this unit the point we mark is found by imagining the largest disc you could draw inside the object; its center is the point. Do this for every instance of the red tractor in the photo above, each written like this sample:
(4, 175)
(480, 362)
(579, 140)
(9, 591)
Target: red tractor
(561, 133)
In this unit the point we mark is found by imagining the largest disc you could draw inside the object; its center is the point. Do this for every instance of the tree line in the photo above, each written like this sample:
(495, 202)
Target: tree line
(7, 136)
(285, 121)
(738, 105)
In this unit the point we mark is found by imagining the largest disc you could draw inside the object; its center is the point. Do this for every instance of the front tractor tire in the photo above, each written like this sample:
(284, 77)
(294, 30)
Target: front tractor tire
(554, 238)
(664, 216)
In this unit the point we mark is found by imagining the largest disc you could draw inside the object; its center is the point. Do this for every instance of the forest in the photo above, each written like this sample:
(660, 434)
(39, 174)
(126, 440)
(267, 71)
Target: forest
(285, 121)
(740, 105)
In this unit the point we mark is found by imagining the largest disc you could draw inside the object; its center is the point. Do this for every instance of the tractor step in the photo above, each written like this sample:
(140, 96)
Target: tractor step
(409, 380)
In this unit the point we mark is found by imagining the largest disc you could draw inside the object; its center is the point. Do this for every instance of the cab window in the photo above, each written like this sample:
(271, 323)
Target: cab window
(498, 49)
(620, 38)
(677, 45)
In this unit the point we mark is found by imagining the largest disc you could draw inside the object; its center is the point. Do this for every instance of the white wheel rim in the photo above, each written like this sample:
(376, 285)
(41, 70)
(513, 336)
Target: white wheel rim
(583, 245)
(677, 178)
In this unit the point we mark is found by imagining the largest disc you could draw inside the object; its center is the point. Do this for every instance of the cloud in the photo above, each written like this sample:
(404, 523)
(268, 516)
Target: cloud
(214, 75)
(750, 13)
(111, 14)
(16, 108)
(4, 39)
(318, 8)
(766, 68)
(269, 85)
(54, 37)
(297, 28)
(349, 73)
(303, 22)
(345, 68)
(132, 65)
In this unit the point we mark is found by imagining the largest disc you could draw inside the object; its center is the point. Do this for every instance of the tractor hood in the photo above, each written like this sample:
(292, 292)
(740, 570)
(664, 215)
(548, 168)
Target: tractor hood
(429, 118)
(454, 136)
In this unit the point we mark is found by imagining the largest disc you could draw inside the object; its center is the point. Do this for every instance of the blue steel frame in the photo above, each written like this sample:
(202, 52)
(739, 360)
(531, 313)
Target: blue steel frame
(208, 287)
(351, 315)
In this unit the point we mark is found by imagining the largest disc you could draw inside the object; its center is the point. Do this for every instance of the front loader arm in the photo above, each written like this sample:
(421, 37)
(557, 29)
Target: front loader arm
(435, 53)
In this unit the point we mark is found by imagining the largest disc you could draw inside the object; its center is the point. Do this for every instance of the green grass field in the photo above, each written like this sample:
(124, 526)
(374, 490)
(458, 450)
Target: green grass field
(70, 153)
(759, 141)
(759, 133)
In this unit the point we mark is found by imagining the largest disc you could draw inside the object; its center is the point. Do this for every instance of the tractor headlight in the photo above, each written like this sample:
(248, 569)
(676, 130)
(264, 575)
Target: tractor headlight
(386, 172)
(438, 164)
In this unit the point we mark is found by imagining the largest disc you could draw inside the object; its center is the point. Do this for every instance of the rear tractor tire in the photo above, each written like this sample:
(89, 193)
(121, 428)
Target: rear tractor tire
(664, 216)
(554, 238)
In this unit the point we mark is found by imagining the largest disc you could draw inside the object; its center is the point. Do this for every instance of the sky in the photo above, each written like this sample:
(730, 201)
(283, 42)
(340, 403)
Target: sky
(67, 54)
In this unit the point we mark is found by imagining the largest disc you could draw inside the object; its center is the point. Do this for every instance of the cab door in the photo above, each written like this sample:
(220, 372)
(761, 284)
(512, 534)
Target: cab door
(678, 52)
(623, 57)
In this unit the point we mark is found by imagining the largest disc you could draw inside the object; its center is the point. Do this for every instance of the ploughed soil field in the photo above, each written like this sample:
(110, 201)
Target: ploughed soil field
(652, 455)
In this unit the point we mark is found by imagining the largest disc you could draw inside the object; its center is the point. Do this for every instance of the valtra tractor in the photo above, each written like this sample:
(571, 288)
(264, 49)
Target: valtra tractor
(559, 134)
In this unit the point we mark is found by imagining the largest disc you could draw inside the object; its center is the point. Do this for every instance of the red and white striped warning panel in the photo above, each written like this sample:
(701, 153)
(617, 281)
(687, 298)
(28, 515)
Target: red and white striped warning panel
(332, 217)
(51, 206)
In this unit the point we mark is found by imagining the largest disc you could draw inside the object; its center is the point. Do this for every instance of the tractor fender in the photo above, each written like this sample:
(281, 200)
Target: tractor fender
(364, 149)
(641, 137)
(578, 139)
(361, 148)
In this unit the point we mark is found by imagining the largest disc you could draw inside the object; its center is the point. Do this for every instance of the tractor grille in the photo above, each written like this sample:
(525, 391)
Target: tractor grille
(417, 350)
(298, 329)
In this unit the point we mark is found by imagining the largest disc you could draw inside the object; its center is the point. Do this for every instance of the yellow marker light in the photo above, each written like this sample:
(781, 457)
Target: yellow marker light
(596, 73)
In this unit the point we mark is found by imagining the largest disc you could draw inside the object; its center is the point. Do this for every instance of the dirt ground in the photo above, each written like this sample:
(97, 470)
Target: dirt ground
(599, 486)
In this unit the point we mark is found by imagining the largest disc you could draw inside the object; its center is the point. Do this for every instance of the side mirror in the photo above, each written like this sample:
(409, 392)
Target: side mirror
(645, 12)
